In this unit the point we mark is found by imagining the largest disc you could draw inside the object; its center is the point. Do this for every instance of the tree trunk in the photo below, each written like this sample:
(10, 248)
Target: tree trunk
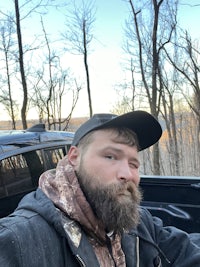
(86, 68)
(21, 64)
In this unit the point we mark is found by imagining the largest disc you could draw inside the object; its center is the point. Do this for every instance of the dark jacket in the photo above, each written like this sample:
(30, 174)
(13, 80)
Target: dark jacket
(33, 236)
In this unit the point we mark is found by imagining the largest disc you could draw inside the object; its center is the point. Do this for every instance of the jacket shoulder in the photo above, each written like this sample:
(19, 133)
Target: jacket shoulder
(27, 238)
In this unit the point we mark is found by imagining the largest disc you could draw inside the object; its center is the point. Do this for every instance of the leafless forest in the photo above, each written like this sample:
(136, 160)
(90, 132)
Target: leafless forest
(162, 66)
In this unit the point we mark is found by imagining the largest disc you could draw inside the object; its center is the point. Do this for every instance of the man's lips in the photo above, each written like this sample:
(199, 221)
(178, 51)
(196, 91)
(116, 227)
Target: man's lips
(127, 190)
(125, 193)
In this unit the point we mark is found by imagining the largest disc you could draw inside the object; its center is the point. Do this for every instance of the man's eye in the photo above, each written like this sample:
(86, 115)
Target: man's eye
(110, 157)
(134, 165)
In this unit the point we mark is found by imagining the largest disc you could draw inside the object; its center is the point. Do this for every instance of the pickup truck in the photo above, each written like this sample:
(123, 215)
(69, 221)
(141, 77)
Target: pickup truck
(24, 155)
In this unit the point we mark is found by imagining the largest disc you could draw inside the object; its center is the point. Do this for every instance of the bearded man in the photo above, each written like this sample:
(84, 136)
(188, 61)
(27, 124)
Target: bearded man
(87, 211)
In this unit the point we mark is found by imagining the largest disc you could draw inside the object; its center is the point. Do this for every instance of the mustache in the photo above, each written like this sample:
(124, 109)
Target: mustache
(122, 188)
(129, 186)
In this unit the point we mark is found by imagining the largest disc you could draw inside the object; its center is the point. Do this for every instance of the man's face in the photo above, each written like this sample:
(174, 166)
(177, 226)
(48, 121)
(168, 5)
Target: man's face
(108, 172)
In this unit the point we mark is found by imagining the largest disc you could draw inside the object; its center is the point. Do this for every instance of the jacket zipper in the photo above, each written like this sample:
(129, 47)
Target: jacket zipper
(137, 252)
(81, 262)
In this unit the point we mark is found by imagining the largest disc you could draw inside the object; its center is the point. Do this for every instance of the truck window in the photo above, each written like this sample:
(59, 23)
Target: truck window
(14, 176)
(35, 164)
(20, 173)
(52, 156)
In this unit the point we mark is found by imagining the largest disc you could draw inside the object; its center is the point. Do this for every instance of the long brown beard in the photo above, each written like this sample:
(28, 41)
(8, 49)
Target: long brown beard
(116, 205)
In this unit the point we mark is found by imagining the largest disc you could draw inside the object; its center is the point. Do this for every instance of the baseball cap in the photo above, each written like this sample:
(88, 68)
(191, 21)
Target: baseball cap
(146, 127)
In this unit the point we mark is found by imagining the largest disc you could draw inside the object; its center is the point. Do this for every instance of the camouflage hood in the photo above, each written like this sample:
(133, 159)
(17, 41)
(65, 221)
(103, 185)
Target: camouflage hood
(62, 187)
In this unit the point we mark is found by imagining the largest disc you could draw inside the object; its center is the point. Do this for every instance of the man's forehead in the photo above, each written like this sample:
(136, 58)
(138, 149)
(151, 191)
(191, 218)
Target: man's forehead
(114, 135)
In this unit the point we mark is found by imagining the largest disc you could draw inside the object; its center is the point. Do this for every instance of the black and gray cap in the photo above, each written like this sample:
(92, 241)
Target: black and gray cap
(146, 127)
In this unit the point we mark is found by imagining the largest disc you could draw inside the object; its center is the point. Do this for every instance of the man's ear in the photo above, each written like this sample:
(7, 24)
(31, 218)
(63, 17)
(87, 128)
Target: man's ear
(73, 155)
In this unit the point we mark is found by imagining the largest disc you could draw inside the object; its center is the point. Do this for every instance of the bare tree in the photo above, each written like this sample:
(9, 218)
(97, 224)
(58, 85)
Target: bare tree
(146, 39)
(126, 91)
(187, 64)
(79, 36)
(21, 53)
(53, 113)
(7, 43)
(22, 12)
(51, 85)
(21, 64)
(170, 87)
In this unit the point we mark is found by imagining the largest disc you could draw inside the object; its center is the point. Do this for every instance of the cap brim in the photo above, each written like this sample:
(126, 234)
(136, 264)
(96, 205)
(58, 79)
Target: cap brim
(147, 128)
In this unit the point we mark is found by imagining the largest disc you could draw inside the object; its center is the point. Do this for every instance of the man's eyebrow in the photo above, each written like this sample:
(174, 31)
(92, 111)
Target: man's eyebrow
(119, 150)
